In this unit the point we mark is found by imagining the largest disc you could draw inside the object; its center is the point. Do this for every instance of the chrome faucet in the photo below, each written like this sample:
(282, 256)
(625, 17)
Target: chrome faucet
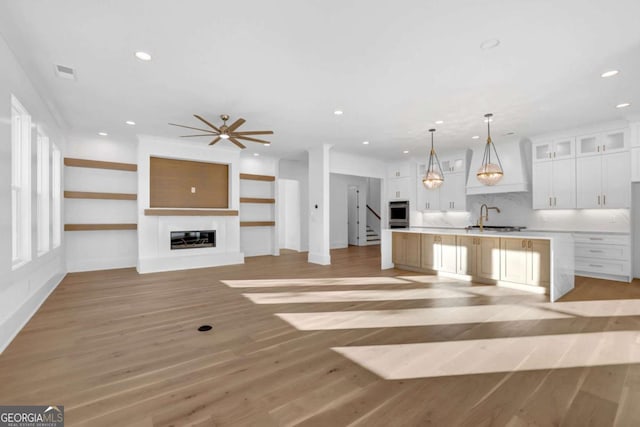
(485, 217)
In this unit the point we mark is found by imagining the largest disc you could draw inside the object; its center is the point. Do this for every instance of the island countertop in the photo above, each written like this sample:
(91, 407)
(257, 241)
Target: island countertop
(523, 234)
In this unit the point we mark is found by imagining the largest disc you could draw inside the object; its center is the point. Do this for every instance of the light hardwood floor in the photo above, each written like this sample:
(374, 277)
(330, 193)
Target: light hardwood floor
(391, 348)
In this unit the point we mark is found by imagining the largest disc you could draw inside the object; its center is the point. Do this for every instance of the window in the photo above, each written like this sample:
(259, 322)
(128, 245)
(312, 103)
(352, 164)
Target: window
(56, 177)
(42, 191)
(20, 184)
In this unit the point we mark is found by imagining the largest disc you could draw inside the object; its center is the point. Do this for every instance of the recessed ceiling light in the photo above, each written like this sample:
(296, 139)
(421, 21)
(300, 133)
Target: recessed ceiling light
(365, 142)
(103, 133)
(623, 105)
(406, 152)
(143, 56)
(489, 44)
(256, 154)
(439, 122)
(130, 122)
(338, 112)
(475, 137)
(609, 73)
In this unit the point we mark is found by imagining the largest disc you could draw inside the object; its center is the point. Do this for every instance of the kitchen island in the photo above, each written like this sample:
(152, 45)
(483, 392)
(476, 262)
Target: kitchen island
(540, 262)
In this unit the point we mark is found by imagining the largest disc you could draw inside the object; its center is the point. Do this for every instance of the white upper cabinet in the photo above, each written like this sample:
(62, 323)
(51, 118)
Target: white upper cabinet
(562, 148)
(604, 181)
(427, 200)
(453, 195)
(554, 174)
(453, 164)
(602, 143)
(399, 170)
(398, 189)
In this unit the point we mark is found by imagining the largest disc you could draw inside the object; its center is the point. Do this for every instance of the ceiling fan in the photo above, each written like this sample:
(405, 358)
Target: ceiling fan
(226, 132)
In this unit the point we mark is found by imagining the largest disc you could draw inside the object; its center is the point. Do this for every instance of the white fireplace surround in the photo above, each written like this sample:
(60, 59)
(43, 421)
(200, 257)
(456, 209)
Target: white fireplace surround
(154, 242)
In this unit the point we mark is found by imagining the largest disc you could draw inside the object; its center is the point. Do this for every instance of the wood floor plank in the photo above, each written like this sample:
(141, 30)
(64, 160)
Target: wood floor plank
(118, 348)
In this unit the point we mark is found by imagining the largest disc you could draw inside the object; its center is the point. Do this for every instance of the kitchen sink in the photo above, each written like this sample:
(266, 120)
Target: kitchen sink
(496, 228)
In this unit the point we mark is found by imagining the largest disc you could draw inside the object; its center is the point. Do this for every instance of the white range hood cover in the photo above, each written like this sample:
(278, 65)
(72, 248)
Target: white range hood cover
(515, 157)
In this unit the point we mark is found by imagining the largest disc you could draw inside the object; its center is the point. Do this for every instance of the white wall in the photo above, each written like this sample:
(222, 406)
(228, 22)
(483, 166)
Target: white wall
(319, 200)
(154, 248)
(289, 216)
(24, 289)
(100, 250)
(256, 241)
(635, 227)
(298, 170)
(339, 188)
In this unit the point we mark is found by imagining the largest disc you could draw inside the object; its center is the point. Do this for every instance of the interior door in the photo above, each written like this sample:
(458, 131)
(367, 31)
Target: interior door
(353, 215)
(513, 262)
(564, 184)
(542, 179)
(616, 187)
(589, 182)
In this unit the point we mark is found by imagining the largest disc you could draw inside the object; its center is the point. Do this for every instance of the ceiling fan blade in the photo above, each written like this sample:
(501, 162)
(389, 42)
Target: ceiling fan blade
(255, 132)
(235, 125)
(206, 122)
(215, 140)
(189, 127)
(235, 141)
(202, 134)
(246, 138)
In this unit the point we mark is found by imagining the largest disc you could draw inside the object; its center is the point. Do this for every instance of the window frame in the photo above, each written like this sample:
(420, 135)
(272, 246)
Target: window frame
(20, 184)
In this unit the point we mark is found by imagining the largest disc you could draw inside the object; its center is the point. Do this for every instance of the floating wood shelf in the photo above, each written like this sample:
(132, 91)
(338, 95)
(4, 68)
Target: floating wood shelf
(104, 196)
(257, 177)
(92, 227)
(256, 200)
(96, 164)
(257, 223)
(190, 212)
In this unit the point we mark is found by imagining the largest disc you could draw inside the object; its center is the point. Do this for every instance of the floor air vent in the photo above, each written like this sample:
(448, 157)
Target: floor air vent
(205, 328)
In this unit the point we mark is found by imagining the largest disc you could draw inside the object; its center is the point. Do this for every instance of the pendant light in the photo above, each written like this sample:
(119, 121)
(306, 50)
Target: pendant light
(433, 176)
(490, 173)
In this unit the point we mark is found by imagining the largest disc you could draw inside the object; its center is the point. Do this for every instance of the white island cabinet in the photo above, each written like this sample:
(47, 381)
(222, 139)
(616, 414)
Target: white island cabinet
(530, 261)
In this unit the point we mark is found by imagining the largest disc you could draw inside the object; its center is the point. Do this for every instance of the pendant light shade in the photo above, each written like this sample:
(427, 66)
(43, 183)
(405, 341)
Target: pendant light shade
(490, 173)
(433, 176)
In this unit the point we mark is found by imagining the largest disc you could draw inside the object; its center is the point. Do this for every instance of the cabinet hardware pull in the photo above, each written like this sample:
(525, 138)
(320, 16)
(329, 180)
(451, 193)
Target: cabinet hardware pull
(598, 199)
(524, 243)
(604, 199)
(595, 251)
(596, 265)
(549, 201)
(554, 154)
(598, 148)
(530, 244)
(604, 148)
(555, 202)
(595, 238)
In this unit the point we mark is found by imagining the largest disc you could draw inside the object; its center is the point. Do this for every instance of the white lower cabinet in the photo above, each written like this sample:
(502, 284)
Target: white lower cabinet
(603, 255)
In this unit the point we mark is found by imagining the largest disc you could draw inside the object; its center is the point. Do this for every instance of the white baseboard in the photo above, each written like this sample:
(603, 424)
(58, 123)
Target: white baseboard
(75, 265)
(16, 321)
(319, 259)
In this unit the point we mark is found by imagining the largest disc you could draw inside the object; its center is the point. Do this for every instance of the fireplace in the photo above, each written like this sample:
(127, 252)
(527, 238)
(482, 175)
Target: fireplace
(193, 239)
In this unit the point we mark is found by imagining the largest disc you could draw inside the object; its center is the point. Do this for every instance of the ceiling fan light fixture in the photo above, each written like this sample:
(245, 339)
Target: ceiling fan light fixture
(224, 136)
(433, 176)
(491, 172)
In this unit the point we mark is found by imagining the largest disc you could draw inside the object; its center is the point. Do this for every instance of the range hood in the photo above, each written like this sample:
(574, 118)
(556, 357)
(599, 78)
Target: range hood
(515, 156)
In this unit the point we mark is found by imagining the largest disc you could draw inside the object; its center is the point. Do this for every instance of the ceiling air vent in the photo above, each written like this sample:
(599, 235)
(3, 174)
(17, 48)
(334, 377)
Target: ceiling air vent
(65, 72)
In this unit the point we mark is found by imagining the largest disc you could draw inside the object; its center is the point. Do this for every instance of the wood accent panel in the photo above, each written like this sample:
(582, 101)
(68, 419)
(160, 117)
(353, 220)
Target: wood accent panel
(190, 212)
(92, 227)
(253, 177)
(92, 195)
(256, 200)
(257, 223)
(137, 358)
(171, 182)
(97, 164)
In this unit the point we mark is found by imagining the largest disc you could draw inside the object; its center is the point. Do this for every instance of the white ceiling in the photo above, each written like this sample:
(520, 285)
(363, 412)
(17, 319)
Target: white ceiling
(394, 67)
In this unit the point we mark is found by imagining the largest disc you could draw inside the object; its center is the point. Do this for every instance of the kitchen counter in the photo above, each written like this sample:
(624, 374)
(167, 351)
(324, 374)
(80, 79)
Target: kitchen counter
(561, 263)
